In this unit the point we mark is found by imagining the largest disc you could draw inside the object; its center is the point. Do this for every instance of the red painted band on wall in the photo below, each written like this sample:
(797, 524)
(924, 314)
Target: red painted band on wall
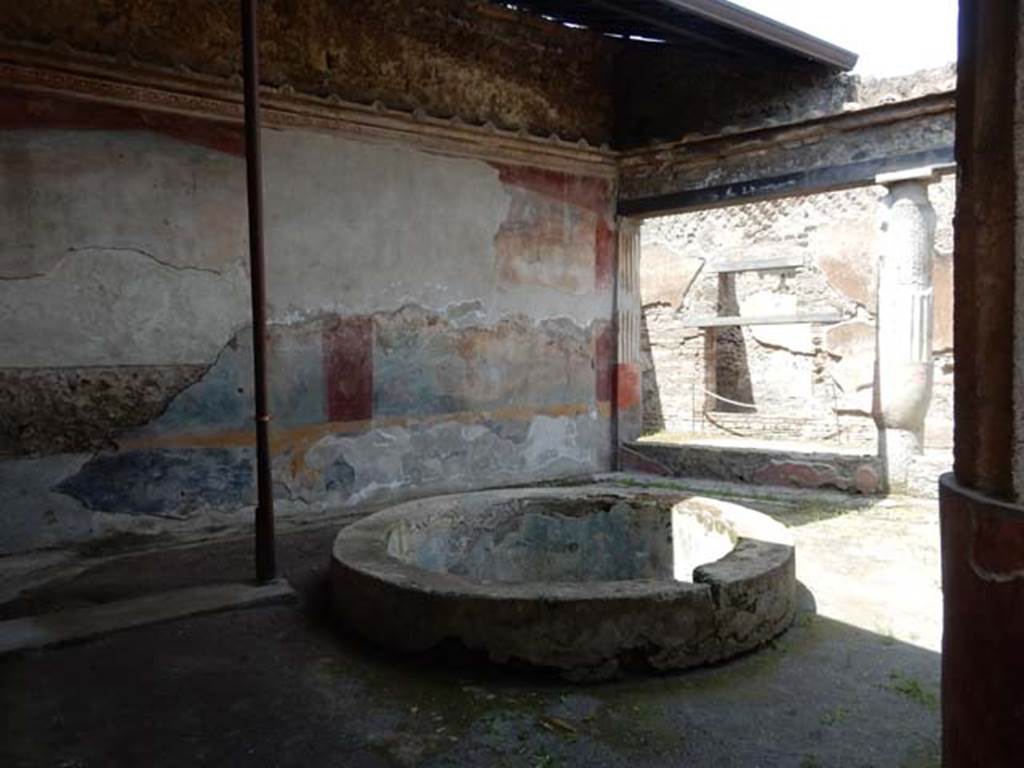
(627, 385)
(604, 358)
(348, 368)
(21, 110)
(589, 192)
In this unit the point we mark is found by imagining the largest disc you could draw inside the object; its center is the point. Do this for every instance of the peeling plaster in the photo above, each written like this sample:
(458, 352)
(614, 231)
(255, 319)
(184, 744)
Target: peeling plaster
(63, 189)
(195, 459)
(403, 359)
(119, 308)
(70, 410)
(34, 516)
(377, 208)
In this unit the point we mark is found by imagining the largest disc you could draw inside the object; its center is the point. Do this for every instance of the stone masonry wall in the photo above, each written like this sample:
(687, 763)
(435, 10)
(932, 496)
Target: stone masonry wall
(437, 324)
(467, 58)
(807, 381)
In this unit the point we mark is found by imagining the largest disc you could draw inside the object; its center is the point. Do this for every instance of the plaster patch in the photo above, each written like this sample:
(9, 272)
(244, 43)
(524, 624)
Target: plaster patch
(547, 243)
(35, 516)
(424, 366)
(548, 439)
(853, 343)
(667, 274)
(65, 190)
(119, 307)
(363, 214)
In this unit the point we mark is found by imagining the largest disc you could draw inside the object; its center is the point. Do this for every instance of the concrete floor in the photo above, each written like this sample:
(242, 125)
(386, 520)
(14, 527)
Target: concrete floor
(853, 683)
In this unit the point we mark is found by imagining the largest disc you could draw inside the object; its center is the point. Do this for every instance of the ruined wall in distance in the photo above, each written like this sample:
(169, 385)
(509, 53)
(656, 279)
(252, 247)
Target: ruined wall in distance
(809, 382)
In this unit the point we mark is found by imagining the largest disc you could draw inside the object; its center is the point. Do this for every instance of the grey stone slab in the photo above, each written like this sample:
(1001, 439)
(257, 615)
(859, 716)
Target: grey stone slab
(61, 627)
(721, 321)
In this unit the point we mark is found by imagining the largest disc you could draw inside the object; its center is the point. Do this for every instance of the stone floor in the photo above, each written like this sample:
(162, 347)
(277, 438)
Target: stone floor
(853, 683)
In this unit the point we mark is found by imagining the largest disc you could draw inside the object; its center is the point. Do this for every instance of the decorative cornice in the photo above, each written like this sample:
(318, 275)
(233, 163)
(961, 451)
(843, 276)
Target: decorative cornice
(63, 71)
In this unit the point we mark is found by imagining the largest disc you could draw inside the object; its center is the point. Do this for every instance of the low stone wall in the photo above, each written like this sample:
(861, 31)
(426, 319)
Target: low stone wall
(400, 578)
(795, 469)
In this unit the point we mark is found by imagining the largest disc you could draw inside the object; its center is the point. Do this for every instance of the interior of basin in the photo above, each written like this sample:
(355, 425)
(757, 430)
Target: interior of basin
(565, 540)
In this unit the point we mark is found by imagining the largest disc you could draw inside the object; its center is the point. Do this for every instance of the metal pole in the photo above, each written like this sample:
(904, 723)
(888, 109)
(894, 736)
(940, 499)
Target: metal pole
(266, 567)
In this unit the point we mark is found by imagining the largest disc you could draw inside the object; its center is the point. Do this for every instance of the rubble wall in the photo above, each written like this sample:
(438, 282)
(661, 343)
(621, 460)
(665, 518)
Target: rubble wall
(807, 381)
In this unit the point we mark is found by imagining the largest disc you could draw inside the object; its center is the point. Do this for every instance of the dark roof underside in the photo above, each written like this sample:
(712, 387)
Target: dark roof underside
(717, 24)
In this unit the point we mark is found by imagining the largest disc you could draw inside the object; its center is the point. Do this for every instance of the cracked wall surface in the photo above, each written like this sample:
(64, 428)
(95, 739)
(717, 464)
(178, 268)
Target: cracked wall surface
(436, 324)
(808, 381)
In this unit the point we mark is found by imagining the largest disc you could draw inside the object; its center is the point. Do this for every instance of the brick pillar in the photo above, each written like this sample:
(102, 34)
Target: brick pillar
(903, 365)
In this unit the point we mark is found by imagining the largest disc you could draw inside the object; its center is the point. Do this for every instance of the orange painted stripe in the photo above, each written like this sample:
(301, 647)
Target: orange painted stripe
(302, 436)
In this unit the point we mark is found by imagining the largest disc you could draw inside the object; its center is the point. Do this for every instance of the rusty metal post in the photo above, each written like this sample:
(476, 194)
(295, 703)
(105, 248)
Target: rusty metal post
(266, 567)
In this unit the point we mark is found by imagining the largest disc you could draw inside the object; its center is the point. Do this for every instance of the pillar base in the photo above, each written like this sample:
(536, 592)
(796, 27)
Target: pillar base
(897, 449)
(983, 629)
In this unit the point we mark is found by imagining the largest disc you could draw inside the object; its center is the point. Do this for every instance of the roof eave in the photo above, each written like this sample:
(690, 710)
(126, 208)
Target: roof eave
(761, 27)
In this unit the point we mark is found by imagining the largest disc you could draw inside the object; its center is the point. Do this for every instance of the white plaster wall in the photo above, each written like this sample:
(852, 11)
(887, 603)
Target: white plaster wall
(357, 227)
(118, 248)
(378, 226)
(145, 255)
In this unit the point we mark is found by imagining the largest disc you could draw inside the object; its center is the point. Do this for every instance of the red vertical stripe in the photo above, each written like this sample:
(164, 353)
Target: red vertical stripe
(604, 256)
(604, 350)
(628, 389)
(348, 368)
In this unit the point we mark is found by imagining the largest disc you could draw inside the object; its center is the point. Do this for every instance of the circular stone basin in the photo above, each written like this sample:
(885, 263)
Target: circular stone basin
(583, 579)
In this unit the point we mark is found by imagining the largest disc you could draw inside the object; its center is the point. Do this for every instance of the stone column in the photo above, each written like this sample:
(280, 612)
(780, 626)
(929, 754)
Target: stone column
(903, 362)
(629, 410)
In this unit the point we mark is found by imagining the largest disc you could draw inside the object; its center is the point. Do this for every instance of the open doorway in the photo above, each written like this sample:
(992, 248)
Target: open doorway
(759, 330)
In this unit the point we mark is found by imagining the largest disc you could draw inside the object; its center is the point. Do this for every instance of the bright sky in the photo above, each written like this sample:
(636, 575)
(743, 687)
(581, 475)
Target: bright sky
(893, 37)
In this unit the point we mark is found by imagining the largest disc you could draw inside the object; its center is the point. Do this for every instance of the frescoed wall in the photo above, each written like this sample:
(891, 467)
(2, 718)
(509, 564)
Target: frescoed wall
(435, 322)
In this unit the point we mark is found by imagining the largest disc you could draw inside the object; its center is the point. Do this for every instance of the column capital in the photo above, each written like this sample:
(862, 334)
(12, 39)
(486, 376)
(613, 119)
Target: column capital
(928, 174)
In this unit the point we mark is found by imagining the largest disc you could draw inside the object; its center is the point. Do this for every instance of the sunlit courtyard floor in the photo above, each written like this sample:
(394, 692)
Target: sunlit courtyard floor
(853, 683)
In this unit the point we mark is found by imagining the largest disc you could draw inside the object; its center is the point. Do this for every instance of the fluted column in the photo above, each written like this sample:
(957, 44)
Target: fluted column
(629, 410)
(903, 373)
